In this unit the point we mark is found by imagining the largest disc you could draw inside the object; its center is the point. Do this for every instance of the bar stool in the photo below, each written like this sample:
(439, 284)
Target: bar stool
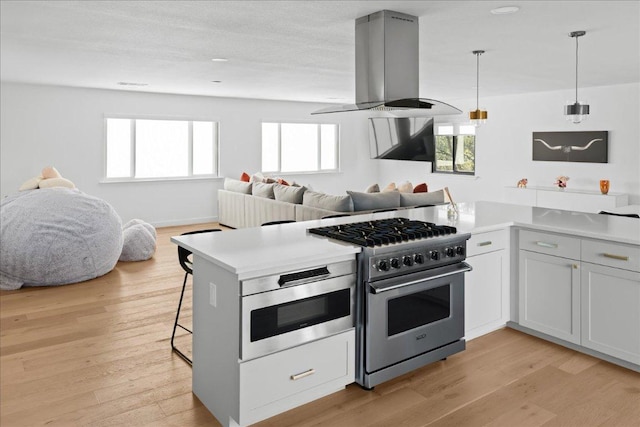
(187, 265)
(283, 221)
(335, 216)
(619, 214)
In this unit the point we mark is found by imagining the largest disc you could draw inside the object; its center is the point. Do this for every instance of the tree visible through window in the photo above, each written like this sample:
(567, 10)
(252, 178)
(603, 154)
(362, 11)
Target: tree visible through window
(455, 151)
(156, 149)
(299, 147)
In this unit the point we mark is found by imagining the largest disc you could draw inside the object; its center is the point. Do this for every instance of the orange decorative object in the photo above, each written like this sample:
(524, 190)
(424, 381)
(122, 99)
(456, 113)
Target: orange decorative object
(604, 186)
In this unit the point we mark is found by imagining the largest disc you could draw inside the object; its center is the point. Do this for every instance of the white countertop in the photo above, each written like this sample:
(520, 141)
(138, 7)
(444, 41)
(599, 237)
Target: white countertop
(250, 252)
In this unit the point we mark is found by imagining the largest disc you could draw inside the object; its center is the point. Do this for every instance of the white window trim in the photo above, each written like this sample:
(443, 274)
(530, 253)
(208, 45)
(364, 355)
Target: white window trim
(131, 178)
(279, 122)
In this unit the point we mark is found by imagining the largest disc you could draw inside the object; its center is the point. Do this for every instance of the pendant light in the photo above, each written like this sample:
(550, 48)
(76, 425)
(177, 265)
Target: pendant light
(576, 112)
(478, 116)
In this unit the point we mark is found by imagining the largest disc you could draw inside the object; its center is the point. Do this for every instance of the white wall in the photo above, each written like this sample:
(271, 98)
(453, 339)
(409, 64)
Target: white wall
(503, 145)
(63, 127)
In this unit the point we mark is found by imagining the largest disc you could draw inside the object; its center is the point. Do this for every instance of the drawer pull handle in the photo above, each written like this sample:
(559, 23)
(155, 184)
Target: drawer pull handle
(487, 243)
(303, 374)
(614, 256)
(547, 245)
(575, 266)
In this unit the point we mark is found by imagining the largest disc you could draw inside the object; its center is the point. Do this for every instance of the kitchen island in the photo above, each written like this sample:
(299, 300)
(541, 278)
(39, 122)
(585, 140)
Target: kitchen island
(234, 389)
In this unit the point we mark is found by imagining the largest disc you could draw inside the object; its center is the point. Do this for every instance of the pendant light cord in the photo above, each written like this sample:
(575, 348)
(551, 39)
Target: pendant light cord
(478, 81)
(577, 37)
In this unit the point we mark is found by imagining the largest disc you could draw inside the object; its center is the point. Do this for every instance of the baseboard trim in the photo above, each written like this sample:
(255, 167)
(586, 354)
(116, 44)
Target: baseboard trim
(576, 347)
(186, 221)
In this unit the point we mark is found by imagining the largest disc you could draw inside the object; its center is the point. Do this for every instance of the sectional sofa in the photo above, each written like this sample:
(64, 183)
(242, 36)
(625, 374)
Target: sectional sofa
(251, 204)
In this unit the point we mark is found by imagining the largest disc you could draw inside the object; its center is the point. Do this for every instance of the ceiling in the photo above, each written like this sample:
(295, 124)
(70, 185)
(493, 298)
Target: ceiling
(304, 50)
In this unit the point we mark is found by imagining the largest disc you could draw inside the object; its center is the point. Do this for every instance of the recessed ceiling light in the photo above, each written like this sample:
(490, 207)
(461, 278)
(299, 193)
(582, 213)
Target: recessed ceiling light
(219, 59)
(505, 10)
(132, 84)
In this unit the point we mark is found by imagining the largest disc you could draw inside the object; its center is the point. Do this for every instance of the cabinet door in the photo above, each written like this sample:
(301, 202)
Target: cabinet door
(486, 294)
(611, 311)
(549, 299)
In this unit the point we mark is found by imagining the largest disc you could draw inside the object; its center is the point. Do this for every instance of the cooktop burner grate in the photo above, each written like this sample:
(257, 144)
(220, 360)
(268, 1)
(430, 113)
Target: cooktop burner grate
(383, 231)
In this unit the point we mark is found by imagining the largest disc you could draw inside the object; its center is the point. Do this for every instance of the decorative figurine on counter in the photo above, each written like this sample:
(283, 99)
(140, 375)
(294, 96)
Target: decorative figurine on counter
(523, 183)
(561, 182)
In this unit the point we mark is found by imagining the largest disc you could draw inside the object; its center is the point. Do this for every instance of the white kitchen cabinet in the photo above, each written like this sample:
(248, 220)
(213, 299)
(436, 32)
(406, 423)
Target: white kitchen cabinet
(241, 392)
(549, 295)
(611, 311)
(487, 285)
(281, 381)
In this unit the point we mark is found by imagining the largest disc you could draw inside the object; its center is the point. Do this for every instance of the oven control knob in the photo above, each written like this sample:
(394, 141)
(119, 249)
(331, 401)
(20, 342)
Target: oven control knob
(407, 260)
(383, 265)
(450, 252)
(435, 255)
(460, 250)
(395, 263)
(418, 258)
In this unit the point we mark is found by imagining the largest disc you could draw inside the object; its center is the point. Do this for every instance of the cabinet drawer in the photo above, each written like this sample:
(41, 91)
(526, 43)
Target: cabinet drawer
(611, 254)
(482, 243)
(294, 371)
(550, 244)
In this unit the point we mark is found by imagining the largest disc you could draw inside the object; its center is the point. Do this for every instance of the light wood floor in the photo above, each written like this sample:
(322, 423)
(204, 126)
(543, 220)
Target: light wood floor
(98, 353)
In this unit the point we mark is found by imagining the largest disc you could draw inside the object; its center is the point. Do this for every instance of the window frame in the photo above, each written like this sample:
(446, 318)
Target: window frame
(132, 164)
(456, 138)
(319, 147)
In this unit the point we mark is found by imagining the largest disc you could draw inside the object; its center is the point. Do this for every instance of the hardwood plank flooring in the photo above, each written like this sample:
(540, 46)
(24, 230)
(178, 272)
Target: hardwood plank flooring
(98, 353)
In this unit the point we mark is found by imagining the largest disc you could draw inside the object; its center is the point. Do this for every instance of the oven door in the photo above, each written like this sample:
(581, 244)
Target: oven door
(412, 314)
(287, 317)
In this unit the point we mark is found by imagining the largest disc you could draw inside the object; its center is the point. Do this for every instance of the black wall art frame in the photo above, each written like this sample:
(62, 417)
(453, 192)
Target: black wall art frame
(591, 147)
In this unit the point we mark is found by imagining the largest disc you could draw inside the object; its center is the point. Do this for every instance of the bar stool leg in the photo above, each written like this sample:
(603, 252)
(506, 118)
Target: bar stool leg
(176, 324)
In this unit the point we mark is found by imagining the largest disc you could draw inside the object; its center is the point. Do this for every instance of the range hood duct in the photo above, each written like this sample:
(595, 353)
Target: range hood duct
(387, 64)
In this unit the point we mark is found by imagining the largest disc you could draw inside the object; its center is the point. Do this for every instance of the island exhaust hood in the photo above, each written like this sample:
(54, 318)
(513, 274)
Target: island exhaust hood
(387, 64)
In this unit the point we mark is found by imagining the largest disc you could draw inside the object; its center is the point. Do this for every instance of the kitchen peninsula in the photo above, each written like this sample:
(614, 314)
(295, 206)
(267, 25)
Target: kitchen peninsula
(560, 275)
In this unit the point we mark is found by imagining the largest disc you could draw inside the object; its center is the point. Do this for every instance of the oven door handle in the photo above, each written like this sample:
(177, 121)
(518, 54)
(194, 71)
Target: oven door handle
(436, 273)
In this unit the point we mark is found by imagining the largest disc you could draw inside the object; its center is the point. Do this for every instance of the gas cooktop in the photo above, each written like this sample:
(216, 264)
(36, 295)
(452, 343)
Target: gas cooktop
(383, 231)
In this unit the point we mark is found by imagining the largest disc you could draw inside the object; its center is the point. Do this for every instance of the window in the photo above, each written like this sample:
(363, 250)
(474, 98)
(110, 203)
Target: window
(299, 147)
(455, 151)
(160, 149)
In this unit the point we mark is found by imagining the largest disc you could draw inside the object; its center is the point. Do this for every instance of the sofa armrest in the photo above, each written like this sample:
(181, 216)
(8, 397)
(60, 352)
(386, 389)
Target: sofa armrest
(231, 208)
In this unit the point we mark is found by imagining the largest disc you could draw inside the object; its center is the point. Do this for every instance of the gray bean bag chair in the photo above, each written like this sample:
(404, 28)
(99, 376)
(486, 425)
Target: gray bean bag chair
(139, 241)
(56, 236)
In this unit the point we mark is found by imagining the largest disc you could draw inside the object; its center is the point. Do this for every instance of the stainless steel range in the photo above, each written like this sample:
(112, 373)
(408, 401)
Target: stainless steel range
(409, 296)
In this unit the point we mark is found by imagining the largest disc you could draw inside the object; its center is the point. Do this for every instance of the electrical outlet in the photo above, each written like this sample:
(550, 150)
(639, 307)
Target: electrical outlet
(213, 298)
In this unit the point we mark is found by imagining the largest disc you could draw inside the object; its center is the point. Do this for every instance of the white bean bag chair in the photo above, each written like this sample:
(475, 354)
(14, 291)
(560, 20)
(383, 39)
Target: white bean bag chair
(56, 236)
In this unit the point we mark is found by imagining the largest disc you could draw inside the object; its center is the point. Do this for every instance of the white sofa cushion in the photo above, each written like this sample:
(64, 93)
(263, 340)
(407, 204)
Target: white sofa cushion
(261, 189)
(287, 193)
(416, 199)
(237, 186)
(373, 201)
(327, 201)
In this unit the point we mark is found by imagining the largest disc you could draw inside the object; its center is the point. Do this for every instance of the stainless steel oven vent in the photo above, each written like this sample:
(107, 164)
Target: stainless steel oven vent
(387, 66)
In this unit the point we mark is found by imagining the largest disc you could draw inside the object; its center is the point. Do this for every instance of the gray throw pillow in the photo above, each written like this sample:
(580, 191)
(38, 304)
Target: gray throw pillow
(327, 201)
(237, 186)
(289, 194)
(373, 201)
(260, 189)
(416, 199)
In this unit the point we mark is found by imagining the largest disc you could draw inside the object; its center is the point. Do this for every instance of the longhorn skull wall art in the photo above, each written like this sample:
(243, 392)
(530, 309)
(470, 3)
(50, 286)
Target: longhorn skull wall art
(592, 147)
